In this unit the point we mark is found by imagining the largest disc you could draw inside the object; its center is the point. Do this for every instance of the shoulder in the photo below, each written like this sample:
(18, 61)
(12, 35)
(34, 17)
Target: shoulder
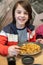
(39, 30)
(31, 27)
(8, 27)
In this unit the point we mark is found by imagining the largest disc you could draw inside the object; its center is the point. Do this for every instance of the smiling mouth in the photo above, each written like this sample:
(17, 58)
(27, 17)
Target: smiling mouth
(22, 19)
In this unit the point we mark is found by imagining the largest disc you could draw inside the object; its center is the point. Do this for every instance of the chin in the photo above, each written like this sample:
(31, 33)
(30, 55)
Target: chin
(21, 23)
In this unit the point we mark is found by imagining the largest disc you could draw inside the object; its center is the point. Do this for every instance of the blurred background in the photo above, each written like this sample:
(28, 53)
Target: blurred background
(6, 12)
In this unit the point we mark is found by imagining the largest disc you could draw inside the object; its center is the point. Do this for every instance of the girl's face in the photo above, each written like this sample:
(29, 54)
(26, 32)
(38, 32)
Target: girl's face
(21, 15)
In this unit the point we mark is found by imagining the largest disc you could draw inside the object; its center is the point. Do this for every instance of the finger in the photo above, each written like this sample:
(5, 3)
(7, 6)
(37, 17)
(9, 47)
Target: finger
(17, 47)
(38, 40)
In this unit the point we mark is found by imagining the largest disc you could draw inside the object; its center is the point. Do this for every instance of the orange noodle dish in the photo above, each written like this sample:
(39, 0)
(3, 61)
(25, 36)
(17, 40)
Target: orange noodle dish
(30, 48)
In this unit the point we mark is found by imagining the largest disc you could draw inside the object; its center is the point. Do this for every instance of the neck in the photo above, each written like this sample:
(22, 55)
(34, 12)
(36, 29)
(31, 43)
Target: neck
(20, 26)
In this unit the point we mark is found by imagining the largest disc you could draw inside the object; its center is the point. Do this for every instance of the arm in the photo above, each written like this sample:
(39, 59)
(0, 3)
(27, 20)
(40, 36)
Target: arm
(3, 46)
(32, 36)
(5, 49)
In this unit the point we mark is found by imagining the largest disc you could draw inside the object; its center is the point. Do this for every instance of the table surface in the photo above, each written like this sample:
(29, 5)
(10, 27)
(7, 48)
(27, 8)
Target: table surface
(38, 59)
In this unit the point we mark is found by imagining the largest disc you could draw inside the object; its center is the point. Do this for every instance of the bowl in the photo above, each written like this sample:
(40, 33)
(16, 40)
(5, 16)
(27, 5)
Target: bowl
(36, 64)
(26, 60)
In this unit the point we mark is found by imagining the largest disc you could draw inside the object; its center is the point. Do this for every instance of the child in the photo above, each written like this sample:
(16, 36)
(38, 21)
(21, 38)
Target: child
(20, 30)
(39, 33)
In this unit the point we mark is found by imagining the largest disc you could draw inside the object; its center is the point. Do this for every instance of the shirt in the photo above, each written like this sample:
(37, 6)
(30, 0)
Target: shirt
(22, 35)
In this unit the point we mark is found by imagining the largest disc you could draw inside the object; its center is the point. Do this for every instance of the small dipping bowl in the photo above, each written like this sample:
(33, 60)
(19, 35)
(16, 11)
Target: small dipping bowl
(27, 60)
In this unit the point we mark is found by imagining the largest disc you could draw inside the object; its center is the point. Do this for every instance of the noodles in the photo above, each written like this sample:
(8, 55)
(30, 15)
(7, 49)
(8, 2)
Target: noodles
(30, 48)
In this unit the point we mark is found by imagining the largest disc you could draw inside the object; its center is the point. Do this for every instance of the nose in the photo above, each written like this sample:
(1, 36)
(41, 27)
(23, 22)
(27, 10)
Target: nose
(22, 14)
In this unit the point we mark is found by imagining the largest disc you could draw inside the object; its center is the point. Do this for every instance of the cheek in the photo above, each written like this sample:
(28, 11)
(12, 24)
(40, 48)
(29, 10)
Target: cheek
(16, 16)
(27, 17)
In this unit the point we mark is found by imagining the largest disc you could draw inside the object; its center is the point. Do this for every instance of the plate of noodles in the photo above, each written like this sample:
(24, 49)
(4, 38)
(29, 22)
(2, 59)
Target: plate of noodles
(30, 48)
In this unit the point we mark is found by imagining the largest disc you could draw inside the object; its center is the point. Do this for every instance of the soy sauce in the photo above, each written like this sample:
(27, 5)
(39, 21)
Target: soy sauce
(11, 61)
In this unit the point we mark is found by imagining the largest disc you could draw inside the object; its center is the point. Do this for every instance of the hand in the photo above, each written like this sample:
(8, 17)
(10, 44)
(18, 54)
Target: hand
(13, 50)
(40, 40)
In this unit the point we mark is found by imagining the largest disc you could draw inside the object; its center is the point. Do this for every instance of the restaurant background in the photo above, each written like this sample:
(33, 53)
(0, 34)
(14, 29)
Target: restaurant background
(6, 12)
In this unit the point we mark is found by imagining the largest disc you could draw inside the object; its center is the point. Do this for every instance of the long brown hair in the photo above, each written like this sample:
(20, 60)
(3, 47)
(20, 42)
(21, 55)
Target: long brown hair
(26, 5)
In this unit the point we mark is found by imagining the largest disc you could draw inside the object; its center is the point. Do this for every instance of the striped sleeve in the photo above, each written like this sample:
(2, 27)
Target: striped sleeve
(3, 40)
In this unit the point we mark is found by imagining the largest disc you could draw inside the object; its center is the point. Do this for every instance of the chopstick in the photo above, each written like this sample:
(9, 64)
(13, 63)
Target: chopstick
(20, 49)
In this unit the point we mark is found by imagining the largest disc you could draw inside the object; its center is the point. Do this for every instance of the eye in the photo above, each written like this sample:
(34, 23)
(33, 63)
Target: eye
(19, 12)
(26, 13)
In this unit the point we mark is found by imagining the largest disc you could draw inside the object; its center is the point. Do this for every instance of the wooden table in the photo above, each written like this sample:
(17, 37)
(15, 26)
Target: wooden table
(37, 59)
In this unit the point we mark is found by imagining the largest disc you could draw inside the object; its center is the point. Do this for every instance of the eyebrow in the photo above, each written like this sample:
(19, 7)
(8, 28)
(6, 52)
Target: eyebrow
(18, 10)
(24, 10)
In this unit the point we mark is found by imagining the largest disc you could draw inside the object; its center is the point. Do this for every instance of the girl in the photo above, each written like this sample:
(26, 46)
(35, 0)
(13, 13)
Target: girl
(39, 33)
(19, 31)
